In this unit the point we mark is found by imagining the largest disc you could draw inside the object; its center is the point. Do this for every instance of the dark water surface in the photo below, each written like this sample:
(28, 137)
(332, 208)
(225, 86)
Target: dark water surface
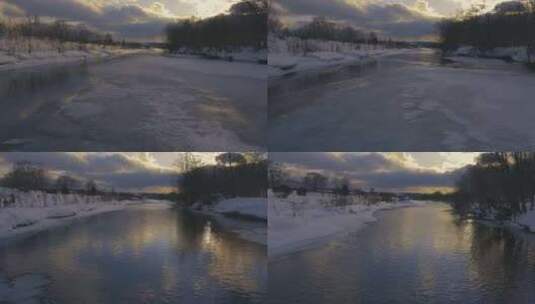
(145, 102)
(413, 101)
(411, 255)
(141, 255)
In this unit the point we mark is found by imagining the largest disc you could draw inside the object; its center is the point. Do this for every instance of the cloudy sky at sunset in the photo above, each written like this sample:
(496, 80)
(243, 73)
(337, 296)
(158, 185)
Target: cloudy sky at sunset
(150, 172)
(408, 19)
(140, 19)
(403, 172)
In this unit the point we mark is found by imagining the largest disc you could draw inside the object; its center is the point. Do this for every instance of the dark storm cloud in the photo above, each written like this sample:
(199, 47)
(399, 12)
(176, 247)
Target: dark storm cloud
(391, 19)
(367, 169)
(131, 21)
(112, 169)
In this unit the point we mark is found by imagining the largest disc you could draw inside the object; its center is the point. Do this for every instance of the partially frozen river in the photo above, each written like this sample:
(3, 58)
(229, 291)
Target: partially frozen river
(406, 102)
(139, 255)
(411, 255)
(145, 102)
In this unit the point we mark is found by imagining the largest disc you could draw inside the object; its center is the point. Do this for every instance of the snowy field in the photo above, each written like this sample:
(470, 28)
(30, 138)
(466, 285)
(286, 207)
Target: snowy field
(296, 222)
(292, 55)
(34, 211)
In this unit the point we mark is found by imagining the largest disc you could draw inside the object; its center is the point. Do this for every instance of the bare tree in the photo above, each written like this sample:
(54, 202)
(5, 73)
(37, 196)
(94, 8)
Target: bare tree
(26, 176)
(66, 184)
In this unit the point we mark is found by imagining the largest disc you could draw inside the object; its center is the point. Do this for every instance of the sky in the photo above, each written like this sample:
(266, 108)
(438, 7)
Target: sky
(401, 19)
(131, 171)
(395, 172)
(134, 19)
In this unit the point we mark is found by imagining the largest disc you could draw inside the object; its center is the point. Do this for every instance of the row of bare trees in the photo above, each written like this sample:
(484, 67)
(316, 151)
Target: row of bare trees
(509, 24)
(57, 33)
(500, 184)
(320, 28)
(28, 176)
(235, 174)
(244, 26)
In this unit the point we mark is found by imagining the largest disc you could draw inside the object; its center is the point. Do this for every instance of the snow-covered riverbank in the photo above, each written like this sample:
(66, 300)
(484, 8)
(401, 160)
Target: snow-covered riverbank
(296, 222)
(45, 54)
(248, 55)
(24, 213)
(463, 54)
(294, 55)
(232, 213)
(247, 207)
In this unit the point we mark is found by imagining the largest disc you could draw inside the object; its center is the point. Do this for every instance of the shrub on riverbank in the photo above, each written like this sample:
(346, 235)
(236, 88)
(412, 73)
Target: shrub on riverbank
(244, 26)
(510, 24)
(234, 175)
(500, 185)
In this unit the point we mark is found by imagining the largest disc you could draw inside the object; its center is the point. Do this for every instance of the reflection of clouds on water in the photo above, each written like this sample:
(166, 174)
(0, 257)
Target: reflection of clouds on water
(26, 289)
(146, 255)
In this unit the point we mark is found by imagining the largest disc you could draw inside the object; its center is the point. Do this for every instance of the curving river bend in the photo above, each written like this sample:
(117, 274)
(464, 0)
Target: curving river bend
(411, 255)
(140, 255)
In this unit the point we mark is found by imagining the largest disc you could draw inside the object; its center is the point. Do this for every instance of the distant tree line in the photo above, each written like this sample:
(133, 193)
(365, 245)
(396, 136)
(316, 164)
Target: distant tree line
(233, 175)
(320, 28)
(509, 24)
(500, 184)
(244, 26)
(28, 176)
(59, 32)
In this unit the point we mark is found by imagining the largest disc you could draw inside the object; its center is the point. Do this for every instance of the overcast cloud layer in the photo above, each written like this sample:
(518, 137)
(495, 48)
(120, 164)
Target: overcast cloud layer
(122, 171)
(134, 19)
(382, 171)
(404, 19)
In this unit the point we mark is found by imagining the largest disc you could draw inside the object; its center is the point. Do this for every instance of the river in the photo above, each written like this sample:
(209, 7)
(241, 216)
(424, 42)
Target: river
(144, 102)
(413, 101)
(411, 255)
(139, 255)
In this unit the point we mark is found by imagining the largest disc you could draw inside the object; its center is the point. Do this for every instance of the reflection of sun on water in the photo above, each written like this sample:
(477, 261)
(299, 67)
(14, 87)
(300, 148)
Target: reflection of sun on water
(207, 237)
(229, 265)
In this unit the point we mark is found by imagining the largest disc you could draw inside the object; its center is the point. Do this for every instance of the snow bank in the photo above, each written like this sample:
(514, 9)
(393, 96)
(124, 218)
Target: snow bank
(516, 54)
(241, 54)
(291, 54)
(25, 212)
(252, 206)
(45, 53)
(229, 211)
(299, 221)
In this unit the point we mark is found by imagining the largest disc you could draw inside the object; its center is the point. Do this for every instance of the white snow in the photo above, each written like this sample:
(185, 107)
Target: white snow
(517, 54)
(296, 222)
(34, 211)
(241, 54)
(15, 56)
(252, 207)
(291, 54)
(248, 206)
